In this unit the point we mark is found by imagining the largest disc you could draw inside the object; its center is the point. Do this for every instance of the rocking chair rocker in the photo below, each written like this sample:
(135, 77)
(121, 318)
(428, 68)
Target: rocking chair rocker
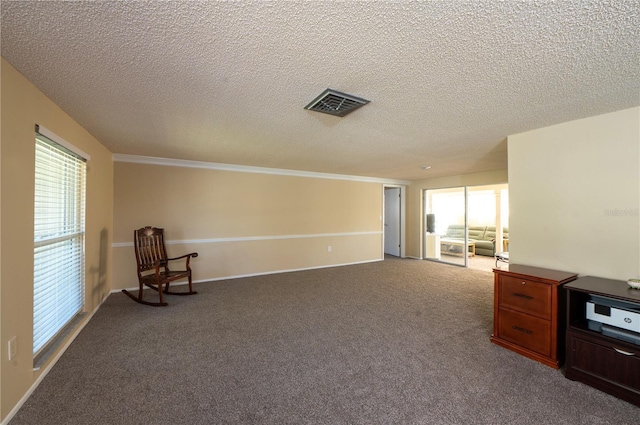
(153, 265)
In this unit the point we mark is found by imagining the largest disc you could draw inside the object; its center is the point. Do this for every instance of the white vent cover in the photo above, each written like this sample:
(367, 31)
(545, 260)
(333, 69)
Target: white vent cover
(336, 103)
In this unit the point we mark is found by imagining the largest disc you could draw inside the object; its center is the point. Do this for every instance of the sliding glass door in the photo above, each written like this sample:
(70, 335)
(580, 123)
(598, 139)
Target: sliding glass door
(446, 237)
(466, 226)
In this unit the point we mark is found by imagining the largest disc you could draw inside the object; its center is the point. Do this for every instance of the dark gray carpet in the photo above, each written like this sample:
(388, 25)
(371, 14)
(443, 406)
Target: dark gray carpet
(394, 342)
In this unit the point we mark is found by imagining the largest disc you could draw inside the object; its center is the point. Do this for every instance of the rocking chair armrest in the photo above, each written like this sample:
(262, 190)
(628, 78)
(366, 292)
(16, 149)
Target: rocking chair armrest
(165, 263)
(186, 256)
(191, 254)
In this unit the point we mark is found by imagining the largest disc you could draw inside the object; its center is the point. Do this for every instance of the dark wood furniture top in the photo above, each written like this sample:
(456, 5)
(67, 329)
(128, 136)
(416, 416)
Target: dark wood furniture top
(609, 364)
(153, 266)
(611, 288)
(528, 314)
(554, 277)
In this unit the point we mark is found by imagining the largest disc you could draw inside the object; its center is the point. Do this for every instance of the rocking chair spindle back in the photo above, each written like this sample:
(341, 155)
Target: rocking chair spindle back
(153, 265)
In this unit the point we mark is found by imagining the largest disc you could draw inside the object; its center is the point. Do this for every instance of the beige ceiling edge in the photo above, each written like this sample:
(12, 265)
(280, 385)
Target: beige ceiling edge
(248, 169)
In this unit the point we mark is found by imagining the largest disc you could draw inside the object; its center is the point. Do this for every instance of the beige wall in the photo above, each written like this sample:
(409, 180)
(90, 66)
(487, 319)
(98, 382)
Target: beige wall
(244, 223)
(23, 106)
(574, 192)
(415, 204)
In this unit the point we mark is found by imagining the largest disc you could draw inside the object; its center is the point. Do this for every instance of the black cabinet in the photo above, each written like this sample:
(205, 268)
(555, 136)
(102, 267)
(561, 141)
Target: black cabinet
(609, 364)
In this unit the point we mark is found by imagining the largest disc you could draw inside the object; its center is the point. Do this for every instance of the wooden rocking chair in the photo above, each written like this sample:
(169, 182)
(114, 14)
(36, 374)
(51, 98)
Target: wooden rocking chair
(153, 265)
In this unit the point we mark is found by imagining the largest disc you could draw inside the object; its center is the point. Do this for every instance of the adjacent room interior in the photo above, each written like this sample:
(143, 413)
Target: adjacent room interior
(347, 174)
(476, 217)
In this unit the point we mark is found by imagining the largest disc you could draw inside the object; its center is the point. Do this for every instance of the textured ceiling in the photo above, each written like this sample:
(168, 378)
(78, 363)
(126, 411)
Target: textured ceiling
(227, 82)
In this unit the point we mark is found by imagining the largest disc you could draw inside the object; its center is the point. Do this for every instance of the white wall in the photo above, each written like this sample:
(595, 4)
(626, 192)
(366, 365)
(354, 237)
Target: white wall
(575, 196)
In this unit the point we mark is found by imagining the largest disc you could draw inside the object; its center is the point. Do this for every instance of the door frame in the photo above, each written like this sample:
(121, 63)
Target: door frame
(501, 221)
(465, 194)
(403, 197)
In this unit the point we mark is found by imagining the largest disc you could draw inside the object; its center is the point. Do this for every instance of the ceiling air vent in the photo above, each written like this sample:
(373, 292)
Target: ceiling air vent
(333, 102)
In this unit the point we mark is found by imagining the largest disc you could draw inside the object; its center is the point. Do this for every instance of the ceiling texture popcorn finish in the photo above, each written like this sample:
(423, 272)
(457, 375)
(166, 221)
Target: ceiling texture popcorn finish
(226, 82)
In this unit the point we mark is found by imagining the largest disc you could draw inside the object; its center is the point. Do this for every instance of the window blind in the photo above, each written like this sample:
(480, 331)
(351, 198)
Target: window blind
(59, 224)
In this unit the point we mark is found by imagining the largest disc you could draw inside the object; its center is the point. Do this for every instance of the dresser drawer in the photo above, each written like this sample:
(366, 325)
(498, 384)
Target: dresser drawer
(526, 296)
(606, 360)
(525, 330)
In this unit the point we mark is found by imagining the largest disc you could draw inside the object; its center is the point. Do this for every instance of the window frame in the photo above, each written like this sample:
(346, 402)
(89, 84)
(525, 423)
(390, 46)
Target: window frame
(60, 175)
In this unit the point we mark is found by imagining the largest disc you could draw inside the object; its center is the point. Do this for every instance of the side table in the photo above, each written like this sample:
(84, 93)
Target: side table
(528, 312)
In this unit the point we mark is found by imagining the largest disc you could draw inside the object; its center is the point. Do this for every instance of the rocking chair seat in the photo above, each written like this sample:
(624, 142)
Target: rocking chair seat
(153, 266)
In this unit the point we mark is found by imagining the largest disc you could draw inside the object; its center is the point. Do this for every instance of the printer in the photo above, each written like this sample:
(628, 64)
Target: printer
(614, 318)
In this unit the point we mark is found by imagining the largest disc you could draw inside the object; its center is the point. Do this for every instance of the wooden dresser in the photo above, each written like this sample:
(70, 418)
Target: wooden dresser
(528, 312)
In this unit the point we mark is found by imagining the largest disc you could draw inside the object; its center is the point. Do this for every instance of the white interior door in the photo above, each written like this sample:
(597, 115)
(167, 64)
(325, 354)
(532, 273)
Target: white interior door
(392, 221)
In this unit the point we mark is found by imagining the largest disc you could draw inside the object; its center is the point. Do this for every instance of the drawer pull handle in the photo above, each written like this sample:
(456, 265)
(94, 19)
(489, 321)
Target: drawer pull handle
(527, 331)
(526, 297)
(626, 353)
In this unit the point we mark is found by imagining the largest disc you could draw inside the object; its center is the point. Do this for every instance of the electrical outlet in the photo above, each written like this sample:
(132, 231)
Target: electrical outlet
(329, 248)
(13, 348)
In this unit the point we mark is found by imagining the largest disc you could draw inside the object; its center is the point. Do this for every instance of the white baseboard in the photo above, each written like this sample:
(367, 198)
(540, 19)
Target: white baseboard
(135, 288)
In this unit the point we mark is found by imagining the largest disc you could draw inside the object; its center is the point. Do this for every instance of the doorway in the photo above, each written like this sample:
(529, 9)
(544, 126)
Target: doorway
(446, 232)
(473, 217)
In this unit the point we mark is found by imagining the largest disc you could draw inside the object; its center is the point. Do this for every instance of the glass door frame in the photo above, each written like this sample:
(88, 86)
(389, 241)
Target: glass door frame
(436, 238)
(476, 213)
